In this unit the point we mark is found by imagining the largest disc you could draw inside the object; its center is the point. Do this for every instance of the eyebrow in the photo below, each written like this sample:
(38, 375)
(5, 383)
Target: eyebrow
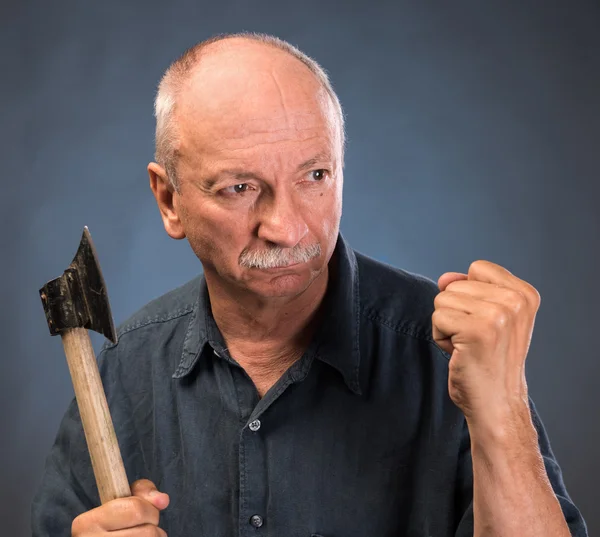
(241, 175)
(321, 157)
(238, 175)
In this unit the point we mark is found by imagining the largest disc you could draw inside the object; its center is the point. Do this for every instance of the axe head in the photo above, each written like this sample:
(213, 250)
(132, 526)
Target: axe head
(78, 298)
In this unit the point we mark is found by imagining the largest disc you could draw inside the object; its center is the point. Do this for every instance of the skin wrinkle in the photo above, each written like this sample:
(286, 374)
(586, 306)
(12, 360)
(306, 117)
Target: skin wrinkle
(270, 143)
(326, 159)
(281, 97)
(177, 79)
(234, 173)
(291, 139)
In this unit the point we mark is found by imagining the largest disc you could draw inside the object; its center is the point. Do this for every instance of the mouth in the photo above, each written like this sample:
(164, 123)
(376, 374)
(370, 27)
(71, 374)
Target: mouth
(281, 268)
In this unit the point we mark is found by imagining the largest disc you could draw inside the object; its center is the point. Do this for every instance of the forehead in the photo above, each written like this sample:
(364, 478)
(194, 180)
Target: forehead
(237, 102)
(262, 151)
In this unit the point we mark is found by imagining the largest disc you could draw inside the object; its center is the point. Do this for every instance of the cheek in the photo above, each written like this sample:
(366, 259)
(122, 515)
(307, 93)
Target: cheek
(325, 210)
(322, 215)
(213, 239)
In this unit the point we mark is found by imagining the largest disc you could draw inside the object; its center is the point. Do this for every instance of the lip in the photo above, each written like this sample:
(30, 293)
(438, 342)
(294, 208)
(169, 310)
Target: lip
(280, 269)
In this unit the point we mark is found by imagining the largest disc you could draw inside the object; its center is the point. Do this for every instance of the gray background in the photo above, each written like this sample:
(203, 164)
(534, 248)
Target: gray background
(474, 132)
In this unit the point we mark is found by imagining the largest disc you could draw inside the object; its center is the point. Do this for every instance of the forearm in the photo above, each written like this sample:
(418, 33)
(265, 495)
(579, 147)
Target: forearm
(512, 495)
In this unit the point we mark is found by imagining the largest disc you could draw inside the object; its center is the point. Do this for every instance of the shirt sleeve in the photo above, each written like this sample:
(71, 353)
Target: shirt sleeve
(464, 505)
(68, 486)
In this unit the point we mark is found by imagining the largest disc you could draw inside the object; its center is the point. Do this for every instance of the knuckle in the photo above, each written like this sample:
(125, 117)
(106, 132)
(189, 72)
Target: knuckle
(517, 301)
(437, 316)
(534, 296)
(133, 509)
(476, 265)
(499, 316)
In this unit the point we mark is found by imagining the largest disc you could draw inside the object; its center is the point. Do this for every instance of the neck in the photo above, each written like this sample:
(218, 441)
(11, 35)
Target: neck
(260, 330)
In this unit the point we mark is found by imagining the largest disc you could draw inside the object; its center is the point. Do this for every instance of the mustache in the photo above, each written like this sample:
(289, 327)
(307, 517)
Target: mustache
(276, 256)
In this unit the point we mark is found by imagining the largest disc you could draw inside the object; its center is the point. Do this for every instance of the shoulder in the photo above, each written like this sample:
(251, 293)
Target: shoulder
(162, 313)
(396, 298)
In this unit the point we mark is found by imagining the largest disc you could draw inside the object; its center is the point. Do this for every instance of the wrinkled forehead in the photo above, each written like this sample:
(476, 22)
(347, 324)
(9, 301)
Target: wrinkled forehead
(269, 98)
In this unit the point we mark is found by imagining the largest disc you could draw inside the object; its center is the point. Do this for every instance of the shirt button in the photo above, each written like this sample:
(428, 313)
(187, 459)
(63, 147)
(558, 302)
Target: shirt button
(254, 425)
(256, 521)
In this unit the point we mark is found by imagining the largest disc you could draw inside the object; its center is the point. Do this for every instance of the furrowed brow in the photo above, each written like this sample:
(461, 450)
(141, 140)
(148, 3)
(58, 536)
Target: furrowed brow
(321, 157)
(241, 175)
(224, 175)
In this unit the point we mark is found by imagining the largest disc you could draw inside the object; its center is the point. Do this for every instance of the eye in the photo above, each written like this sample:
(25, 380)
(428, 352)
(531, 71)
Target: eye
(236, 189)
(318, 175)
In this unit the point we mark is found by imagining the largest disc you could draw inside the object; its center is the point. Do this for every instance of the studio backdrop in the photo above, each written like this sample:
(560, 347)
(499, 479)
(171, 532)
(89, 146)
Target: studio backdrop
(473, 133)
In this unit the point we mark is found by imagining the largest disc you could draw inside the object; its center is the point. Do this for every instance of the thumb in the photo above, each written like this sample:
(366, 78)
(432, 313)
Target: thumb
(145, 489)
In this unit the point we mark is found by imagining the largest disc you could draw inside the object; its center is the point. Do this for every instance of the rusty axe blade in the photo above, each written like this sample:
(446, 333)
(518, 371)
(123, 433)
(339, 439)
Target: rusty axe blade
(75, 303)
(78, 298)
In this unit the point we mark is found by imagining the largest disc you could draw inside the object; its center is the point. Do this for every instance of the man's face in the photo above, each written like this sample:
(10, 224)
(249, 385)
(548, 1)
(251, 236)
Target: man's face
(260, 175)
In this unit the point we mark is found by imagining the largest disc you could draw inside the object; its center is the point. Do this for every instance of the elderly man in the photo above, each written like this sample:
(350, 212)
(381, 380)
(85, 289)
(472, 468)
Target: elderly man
(299, 388)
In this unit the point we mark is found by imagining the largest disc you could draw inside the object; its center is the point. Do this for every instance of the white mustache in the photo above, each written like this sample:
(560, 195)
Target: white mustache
(279, 257)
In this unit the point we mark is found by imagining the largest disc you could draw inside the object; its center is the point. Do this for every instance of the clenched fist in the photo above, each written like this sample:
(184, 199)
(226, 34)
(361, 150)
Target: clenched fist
(135, 516)
(484, 320)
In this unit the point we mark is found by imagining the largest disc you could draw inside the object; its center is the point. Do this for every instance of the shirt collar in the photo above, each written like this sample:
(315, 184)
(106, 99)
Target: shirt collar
(338, 334)
(337, 338)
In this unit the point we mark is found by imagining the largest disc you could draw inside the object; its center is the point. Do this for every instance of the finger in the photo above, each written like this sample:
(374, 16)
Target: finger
(124, 513)
(449, 277)
(146, 530)
(454, 295)
(145, 489)
(142, 487)
(486, 271)
(456, 301)
(446, 323)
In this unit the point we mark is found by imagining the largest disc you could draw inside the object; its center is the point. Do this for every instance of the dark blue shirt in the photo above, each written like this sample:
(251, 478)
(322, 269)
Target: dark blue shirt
(358, 438)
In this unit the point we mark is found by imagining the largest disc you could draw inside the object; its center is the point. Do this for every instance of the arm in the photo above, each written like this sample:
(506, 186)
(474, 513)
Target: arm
(517, 483)
(553, 473)
(484, 320)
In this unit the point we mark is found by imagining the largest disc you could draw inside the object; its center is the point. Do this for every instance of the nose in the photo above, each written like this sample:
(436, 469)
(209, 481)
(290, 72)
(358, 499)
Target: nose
(281, 222)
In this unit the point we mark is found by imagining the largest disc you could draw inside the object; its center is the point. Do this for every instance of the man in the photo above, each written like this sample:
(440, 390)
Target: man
(300, 388)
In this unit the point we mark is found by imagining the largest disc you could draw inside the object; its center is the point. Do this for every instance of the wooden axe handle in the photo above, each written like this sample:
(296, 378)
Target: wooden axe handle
(95, 417)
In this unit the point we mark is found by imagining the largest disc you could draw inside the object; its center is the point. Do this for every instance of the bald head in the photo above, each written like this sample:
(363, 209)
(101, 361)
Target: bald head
(236, 80)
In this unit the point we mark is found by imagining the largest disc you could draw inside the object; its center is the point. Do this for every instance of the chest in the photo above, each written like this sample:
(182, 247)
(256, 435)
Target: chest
(311, 458)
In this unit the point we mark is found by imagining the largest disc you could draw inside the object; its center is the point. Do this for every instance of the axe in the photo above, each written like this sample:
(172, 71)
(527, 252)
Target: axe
(75, 303)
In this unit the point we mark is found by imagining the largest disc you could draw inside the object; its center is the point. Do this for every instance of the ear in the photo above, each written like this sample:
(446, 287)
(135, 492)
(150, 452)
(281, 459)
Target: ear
(166, 198)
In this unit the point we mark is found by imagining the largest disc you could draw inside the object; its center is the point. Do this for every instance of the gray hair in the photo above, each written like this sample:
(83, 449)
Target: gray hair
(174, 77)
